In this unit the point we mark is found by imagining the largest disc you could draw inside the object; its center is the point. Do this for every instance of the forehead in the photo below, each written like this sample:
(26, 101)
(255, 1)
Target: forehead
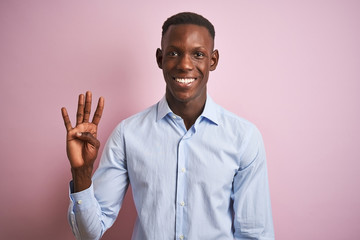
(182, 35)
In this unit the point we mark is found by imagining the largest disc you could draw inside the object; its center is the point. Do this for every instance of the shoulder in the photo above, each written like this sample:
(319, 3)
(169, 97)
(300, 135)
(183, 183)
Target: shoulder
(235, 123)
(149, 114)
(244, 134)
(134, 122)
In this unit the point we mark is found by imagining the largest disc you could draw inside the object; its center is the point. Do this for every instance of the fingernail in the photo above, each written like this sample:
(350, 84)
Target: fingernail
(78, 134)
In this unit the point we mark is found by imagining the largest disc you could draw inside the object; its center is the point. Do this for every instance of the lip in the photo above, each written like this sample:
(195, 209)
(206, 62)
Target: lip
(184, 81)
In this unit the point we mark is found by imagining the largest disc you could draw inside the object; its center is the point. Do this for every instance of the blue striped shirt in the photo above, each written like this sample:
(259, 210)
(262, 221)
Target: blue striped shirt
(208, 182)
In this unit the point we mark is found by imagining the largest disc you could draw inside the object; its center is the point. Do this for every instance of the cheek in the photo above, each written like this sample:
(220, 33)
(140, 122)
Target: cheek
(203, 68)
(168, 66)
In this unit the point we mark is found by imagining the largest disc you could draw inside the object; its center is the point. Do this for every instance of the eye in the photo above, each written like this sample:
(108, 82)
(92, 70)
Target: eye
(199, 55)
(173, 54)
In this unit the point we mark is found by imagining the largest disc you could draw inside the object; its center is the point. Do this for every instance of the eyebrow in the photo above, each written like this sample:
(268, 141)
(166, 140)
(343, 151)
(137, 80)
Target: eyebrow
(195, 48)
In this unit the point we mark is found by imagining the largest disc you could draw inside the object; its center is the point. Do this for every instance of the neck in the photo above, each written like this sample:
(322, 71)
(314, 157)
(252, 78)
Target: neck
(189, 111)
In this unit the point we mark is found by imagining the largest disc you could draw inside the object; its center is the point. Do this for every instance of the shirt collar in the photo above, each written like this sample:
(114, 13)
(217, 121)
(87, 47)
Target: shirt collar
(210, 110)
(163, 109)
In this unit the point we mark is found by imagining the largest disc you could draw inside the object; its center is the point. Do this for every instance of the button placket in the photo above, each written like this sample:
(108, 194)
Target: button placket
(181, 189)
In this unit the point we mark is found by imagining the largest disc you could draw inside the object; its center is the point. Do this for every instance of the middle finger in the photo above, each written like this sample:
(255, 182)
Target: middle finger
(87, 106)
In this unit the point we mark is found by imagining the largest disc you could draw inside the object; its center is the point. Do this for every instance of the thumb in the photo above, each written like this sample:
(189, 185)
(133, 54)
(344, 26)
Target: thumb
(89, 138)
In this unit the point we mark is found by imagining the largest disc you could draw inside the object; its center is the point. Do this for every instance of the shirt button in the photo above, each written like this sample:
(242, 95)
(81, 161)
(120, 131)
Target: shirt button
(181, 237)
(182, 203)
(183, 170)
(79, 202)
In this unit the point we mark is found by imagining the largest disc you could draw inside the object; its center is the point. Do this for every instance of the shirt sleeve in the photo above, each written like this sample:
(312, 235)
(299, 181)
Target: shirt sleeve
(94, 210)
(251, 196)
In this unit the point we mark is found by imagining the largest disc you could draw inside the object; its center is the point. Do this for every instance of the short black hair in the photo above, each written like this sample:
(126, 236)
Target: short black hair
(188, 18)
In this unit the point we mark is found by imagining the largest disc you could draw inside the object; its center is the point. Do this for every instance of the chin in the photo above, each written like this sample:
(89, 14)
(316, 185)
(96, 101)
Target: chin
(178, 97)
(182, 98)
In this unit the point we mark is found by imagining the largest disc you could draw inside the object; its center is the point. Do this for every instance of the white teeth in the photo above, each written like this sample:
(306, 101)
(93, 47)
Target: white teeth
(185, 80)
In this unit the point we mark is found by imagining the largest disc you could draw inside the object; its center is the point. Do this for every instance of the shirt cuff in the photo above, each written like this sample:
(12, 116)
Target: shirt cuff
(81, 200)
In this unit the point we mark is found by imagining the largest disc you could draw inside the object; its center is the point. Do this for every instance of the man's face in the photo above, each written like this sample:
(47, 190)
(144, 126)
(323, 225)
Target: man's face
(186, 58)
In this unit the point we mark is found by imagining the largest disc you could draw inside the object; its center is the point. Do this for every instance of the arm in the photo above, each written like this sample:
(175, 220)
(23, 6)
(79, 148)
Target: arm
(94, 201)
(95, 209)
(82, 149)
(251, 197)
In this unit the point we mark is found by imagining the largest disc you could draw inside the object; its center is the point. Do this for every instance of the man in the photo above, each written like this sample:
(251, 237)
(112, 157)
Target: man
(197, 171)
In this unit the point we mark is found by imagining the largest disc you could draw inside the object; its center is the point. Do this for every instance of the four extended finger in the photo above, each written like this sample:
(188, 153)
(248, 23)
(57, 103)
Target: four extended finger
(80, 110)
(87, 109)
(98, 112)
(66, 119)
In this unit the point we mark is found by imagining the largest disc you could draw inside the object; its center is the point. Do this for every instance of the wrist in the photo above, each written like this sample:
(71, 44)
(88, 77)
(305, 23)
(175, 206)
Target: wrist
(81, 178)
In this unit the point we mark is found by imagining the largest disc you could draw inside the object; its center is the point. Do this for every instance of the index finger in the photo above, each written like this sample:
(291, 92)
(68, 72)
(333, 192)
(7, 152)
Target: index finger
(66, 119)
(98, 112)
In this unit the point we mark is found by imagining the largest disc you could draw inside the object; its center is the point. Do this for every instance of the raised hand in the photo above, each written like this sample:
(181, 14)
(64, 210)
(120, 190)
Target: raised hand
(82, 146)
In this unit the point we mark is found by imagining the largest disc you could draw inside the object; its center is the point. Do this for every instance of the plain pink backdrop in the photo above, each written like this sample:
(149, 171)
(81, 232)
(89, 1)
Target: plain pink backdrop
(291, 67)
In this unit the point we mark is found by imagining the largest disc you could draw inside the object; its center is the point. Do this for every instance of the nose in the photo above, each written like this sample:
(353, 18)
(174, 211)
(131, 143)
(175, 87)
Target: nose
(185, 63)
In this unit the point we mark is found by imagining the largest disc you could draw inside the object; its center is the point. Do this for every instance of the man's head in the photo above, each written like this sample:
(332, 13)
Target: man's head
(188, 18)
(186, 57)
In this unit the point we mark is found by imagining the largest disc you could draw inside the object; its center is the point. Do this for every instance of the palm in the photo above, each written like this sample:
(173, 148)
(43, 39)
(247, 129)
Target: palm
(79, 151)
(83, 150)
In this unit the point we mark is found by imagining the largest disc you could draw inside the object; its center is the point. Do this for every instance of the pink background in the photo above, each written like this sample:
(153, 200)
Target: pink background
(291, 68)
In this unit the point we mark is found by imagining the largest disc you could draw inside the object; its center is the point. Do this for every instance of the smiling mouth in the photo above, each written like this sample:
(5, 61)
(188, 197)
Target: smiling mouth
(185, 80)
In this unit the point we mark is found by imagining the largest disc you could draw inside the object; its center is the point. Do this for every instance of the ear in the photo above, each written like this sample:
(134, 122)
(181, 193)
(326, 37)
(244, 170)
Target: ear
(214, 60)
(159, 57)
